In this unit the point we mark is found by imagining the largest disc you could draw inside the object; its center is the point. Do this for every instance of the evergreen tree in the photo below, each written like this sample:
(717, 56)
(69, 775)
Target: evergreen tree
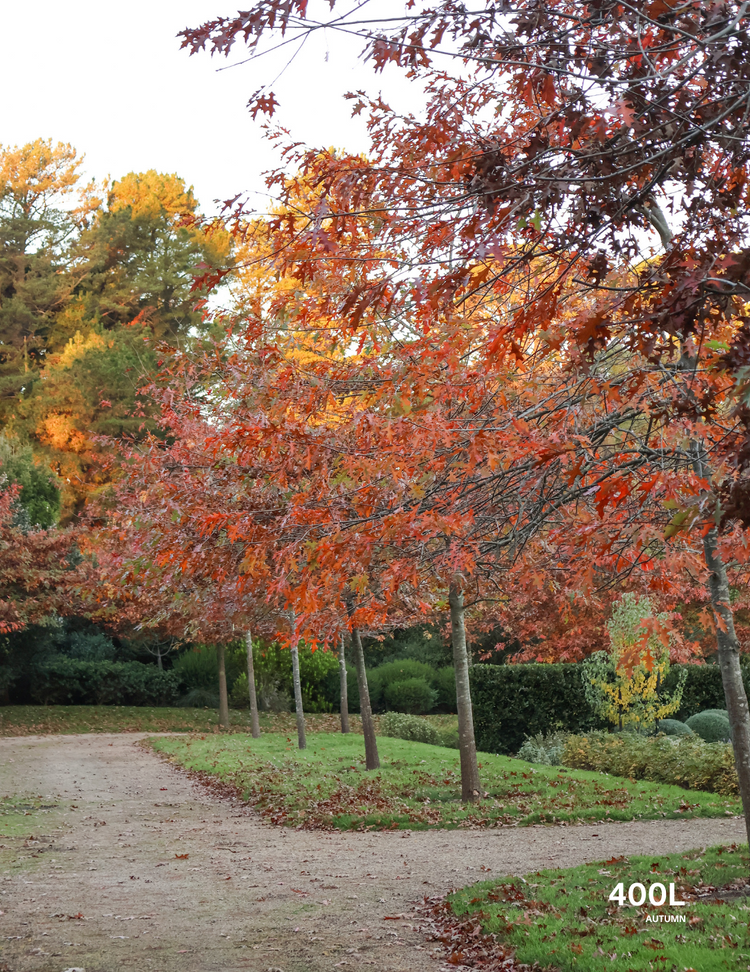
(42, 210)
(89, 286)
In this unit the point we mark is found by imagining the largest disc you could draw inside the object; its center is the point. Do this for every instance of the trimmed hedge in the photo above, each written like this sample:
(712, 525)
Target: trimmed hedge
(512, 702)
(703, 688)
(73, 681)
(685, 761)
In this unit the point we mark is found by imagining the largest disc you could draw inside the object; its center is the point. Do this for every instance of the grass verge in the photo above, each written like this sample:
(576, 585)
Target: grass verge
(563, 919)
(40, 720)
(418, 785)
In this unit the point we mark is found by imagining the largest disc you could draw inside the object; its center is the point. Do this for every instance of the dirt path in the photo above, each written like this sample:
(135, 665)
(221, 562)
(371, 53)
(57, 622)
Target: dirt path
(137, 868)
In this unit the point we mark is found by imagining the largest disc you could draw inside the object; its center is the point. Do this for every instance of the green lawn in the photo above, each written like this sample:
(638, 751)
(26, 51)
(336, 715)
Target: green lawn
(25, 720)
(418, 786)
(562, 919)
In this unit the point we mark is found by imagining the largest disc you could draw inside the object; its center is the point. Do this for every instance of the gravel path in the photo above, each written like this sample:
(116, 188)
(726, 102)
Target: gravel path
(138, 868)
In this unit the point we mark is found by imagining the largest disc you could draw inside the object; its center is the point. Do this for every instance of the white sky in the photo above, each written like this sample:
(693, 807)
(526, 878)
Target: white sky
(110, 79)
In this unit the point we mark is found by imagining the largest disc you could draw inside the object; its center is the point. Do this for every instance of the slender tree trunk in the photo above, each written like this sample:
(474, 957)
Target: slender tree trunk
(471, 787)
(344, 707)
(728, 649)
(729, 663)
(301, 736)
(254, 721)
(223, 698)
(372, 760)
(158, 660)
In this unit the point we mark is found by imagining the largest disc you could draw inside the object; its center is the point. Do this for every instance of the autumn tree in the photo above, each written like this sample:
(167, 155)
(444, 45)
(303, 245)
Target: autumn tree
(42, 571)
(141, 255)
(583, 166)
(43, 208)
(118, 269)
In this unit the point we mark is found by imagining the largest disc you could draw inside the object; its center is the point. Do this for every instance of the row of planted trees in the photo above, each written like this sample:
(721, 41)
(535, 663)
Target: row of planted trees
(500, 362)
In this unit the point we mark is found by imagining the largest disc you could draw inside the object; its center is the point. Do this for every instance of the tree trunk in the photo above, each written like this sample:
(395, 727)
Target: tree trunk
(254, 721)
(372, 760)
(344, 707)
(471, 787)
(223, 699)
(158, 659)
(729, 662)
(301, 737)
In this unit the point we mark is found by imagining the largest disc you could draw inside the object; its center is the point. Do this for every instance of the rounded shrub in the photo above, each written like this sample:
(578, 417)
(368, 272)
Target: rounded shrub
(673, 727)
(378, 679)
(710, 726)
(197, 667)
(400, 725)
(413, 695)
(403, 668)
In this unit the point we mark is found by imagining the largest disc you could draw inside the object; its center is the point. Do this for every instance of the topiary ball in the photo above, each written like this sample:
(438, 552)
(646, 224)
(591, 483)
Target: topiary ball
(710, 726)
(673, 727)
(413, 695)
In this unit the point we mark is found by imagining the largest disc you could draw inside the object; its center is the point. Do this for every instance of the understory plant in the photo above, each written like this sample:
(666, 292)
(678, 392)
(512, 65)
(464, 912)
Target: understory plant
(547, 750)
(400, 725)
(685, 761)
(625, 683)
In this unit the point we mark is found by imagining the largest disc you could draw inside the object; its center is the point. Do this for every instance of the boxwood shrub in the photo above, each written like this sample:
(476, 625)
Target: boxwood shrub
(710, 726)
(381, 682)
(673, 727)
(412, 695)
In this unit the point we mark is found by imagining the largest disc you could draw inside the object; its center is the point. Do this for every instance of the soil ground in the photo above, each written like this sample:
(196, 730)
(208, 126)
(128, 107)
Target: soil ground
(130, 865)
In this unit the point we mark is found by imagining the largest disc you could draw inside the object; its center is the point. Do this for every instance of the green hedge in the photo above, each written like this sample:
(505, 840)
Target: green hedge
(513, 702)
(73, 681)
(703, 688)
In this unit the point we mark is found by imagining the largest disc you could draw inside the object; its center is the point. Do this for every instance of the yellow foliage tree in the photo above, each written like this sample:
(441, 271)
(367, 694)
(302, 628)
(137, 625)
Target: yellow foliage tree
(625, 684)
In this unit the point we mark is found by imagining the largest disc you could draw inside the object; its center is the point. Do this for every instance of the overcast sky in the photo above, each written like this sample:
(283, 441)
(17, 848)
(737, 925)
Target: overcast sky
(111, 79)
